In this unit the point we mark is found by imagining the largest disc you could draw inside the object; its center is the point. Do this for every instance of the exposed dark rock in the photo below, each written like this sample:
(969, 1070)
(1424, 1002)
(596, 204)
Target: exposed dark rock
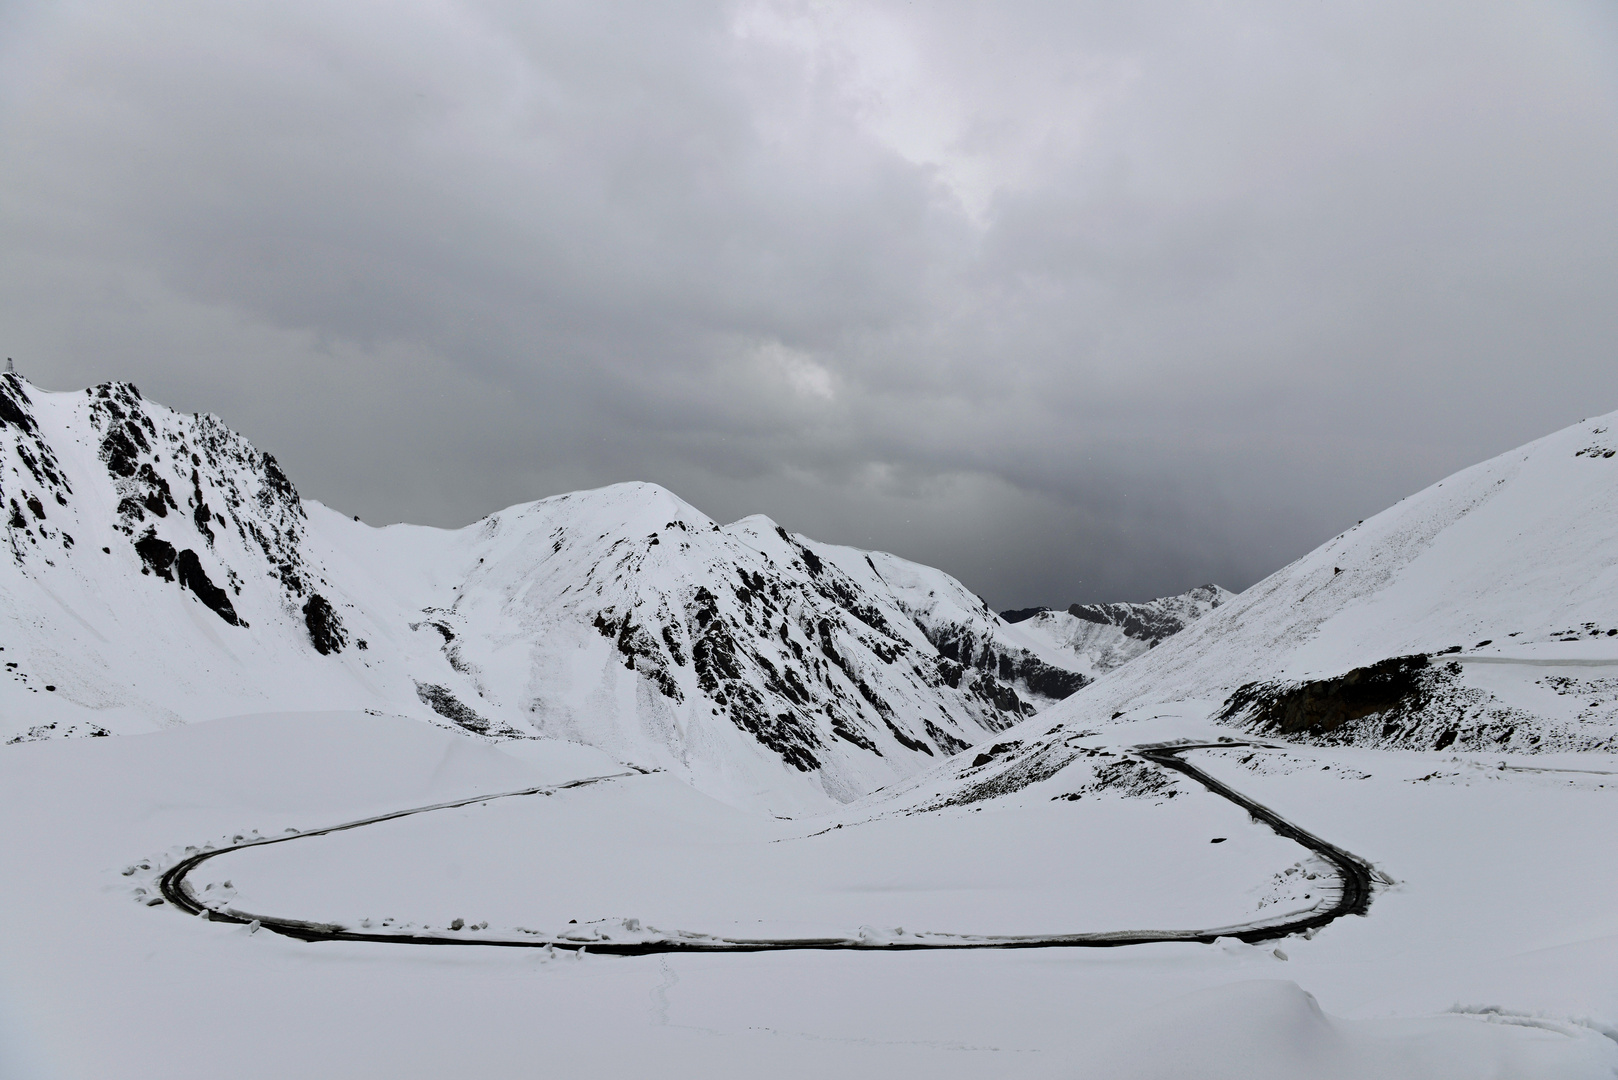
(811, 561)
(14, 403)
(1323, 706)
(1048, 681)
(841, 729)
(1133, 779)
(158, 555)
(1017, 615)
(946, 742)
(641, 652)
(325, 628)
(904, 739)
(1024, 770)
(1003, 697)
(120, 452)
(276, 485)
(446, 704)
(997, 750)
(1143, 622)
(159, 499)
(202, 516)
(1010, 665)
(192, 576)
(673, 644)
(718, 661)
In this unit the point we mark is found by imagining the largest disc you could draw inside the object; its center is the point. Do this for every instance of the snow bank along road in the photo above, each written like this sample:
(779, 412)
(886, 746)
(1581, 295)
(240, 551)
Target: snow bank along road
(1355, 877)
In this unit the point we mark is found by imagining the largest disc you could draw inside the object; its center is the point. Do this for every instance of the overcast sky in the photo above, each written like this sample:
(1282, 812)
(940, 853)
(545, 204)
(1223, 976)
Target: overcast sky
(1078, 301)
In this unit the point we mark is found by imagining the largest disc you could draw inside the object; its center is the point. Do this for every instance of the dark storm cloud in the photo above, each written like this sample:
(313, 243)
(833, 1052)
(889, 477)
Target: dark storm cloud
(1077, 301)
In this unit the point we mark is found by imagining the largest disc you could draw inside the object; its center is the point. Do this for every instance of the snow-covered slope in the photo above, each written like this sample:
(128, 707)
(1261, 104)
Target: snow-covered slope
(961, 625)
(1106, 636)
(1493, 958)
(163, 570)
(738, 657)
(157, 571)
(1480, 613)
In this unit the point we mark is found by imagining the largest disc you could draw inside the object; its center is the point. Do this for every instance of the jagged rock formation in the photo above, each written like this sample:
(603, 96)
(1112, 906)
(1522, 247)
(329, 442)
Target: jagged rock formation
(146, 454)
(628, 619)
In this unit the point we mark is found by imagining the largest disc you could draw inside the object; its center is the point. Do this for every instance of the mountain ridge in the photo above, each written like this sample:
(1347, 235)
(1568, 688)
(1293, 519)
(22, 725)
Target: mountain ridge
(165, 570)
(1479, 614)
(1102, 637)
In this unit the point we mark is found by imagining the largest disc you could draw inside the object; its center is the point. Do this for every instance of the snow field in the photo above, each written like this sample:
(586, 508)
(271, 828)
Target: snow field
(96, 984)
(649, 849)
(1513, 558)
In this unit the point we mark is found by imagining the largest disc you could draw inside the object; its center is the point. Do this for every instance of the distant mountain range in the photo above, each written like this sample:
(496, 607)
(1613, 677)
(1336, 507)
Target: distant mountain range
(161, 569)
(1105, 636)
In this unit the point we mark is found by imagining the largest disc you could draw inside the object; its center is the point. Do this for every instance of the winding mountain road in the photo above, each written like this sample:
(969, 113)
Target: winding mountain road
(1355, 877)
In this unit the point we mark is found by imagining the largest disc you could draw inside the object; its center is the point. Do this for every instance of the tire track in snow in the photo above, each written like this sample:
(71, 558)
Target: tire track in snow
(1355, 879)
(660, 993)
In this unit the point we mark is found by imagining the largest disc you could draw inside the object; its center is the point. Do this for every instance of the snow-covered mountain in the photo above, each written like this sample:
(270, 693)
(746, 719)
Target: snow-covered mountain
(1478, 614)
(163, 570)
(1105, 636)
(158, 569)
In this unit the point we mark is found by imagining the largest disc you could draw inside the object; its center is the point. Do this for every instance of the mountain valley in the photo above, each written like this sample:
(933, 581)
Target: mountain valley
(599, 785)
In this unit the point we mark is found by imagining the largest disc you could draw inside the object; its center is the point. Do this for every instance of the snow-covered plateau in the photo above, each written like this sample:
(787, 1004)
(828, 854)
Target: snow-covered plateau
(569, 791)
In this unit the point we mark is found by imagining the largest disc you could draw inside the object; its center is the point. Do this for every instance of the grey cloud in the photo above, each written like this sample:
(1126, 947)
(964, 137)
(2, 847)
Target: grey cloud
(1086, 301)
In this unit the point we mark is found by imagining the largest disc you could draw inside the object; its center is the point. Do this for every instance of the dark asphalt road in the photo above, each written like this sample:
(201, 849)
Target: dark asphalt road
(1354, 873)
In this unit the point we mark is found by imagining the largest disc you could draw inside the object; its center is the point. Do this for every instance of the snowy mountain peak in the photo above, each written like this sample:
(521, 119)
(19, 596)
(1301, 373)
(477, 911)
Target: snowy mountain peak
(164, 569)
(132, 464)
(1478, 614)
(1105, 636)
(1156, 619)
(635, 623)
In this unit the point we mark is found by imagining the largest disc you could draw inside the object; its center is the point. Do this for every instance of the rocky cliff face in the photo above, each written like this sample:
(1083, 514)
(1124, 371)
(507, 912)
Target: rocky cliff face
(158, 565)
(628, 619)
(241, 513)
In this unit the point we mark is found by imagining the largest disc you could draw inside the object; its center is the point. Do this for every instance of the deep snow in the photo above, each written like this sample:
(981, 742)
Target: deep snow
(1462, 969)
